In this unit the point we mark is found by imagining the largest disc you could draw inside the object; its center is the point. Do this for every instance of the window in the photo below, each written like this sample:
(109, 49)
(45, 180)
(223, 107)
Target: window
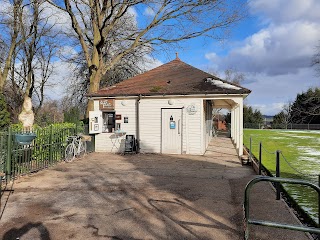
(108, 121)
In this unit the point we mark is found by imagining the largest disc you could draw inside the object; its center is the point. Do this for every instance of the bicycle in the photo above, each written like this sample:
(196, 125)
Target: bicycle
(76, 147)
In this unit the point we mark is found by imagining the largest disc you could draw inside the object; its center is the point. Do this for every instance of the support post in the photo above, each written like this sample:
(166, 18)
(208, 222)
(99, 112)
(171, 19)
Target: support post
(260, 158)
(278, 174)
(250, 154)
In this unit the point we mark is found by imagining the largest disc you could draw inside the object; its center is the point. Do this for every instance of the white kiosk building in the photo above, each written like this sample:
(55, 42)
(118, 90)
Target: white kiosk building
(168, 109)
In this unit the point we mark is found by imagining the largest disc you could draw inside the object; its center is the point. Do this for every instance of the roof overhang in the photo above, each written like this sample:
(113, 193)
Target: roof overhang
(189, 95)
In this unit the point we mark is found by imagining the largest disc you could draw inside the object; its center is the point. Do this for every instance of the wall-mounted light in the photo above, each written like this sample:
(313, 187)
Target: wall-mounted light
(170, 102)
(123, 103)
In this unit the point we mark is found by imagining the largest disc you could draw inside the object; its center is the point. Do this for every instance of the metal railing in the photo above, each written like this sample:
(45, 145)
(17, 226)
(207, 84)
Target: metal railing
(46, 150)
(278, 180)
(278, 156)
(289, 126)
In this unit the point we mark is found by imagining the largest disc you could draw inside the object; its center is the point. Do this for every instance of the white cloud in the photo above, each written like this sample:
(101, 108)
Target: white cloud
(269, 93)
(268, 109)
(274, 50)
(133, 14)
(67, 51)
(59, 80)
(56, 17)
(149, 11)
(5, 6)
(150, 63)
(279, 11)
(277, 58)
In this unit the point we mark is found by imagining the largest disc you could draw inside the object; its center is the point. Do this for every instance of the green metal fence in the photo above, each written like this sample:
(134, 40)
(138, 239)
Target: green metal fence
(46, 150)
(3, 150)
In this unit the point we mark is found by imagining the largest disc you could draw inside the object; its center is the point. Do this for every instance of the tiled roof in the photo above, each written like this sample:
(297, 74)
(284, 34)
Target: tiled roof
(173, 78)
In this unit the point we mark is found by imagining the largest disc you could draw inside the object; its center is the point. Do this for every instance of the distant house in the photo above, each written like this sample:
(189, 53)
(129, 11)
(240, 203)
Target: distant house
(219, 122)
(267, 120)
(168, 109)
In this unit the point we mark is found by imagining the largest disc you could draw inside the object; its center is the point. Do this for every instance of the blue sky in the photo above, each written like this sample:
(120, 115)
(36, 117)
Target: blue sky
(273, 47)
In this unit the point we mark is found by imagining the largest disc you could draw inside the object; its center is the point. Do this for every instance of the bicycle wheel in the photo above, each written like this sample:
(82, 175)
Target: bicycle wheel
(82, 148)
(69, 153)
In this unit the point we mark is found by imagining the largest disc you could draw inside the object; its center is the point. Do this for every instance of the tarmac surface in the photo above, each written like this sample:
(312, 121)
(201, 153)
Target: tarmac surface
(143, 196)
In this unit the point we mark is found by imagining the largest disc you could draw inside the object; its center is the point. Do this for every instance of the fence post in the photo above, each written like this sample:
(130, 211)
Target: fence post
(278, 174)
(9, 154)
(50, 146)
(260, 158)
(250, 156)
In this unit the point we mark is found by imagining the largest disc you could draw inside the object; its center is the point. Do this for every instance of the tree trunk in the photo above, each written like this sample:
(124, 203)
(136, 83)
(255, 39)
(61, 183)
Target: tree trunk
(95, 78)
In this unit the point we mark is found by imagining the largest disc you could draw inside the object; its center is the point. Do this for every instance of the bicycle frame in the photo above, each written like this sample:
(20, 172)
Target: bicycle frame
(75, 148)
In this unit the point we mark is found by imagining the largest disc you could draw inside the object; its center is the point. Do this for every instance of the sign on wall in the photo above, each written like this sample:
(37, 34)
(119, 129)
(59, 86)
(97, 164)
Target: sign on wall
(106, 104)
(192, 109)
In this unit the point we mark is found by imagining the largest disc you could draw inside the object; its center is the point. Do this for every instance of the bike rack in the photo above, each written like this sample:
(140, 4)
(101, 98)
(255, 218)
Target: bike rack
(248, 221)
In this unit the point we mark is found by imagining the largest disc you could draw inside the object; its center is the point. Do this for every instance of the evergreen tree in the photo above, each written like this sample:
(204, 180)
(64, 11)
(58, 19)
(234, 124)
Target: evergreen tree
(279, 120)
(252, 116)
(306, 108)
(4, 114)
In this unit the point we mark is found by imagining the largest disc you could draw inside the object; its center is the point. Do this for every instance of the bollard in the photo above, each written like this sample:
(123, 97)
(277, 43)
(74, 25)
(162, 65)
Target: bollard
(260, 158)
(278, 174)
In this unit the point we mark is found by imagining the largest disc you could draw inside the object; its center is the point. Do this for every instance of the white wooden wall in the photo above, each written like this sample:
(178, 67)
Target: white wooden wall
(195, 136)
(109, 142)
(150, 124)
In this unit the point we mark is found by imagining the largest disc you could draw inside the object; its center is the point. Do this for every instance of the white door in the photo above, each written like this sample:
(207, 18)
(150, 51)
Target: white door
(171, 141)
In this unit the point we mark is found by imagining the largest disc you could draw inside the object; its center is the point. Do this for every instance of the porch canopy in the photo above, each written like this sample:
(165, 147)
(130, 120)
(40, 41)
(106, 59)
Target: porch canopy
(235, 105)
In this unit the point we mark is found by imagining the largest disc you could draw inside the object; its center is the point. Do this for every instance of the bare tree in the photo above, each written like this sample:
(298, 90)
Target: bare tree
(232, 75)
(49, 113)
(284, 118)
(31, 65)
(10, 26)
(96, 22)
(129, 66)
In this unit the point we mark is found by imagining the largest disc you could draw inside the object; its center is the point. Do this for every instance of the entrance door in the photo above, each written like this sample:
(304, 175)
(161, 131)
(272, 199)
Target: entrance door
(171, 131)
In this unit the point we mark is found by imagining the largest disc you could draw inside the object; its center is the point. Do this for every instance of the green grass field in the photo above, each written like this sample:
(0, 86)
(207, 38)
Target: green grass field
(301, 149)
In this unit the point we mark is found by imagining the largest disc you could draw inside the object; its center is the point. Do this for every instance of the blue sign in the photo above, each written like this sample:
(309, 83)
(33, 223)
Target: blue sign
(172, 125)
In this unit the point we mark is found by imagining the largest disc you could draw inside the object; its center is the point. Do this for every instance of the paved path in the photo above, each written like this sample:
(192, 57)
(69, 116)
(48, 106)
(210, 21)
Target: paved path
(145, 196)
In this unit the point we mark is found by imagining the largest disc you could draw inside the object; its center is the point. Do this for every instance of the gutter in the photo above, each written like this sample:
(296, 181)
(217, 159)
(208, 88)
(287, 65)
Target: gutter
(138, 124)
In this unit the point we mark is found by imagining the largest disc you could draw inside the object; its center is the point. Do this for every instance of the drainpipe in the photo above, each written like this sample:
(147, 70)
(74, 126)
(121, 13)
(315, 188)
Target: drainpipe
(138, 124)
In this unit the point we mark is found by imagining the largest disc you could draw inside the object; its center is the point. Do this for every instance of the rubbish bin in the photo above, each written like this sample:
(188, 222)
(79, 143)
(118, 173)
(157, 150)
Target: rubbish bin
(130, 144)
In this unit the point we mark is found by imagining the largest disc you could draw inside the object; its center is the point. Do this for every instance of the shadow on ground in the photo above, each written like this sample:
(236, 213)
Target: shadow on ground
(144, 196)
